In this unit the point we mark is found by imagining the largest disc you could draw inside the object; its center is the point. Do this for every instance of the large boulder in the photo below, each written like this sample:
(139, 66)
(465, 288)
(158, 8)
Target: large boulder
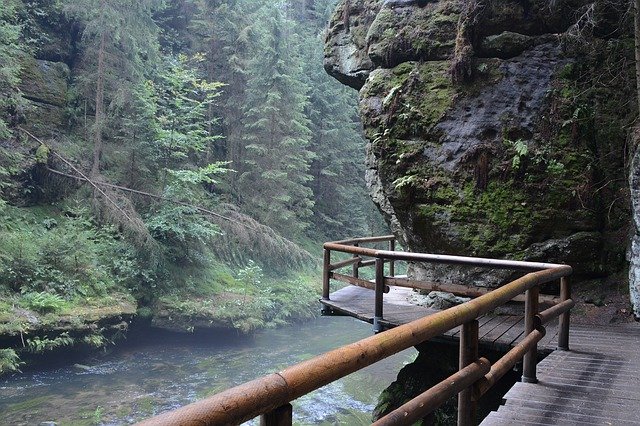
(44, 84)
(522, 159)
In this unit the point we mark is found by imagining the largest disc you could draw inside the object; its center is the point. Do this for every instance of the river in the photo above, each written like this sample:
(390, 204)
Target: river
(151, 372)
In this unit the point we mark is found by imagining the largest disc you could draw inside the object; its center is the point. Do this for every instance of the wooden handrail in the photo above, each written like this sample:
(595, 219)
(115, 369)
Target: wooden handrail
(269, 393)
(442, 258)
(422, 405)
(366, 240)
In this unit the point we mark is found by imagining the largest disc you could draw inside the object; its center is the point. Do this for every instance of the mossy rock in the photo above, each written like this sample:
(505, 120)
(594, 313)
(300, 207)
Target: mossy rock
(45, 85)
(44, 81)
(525, 161)
(408, 99)
(411, 31)
(505, 45)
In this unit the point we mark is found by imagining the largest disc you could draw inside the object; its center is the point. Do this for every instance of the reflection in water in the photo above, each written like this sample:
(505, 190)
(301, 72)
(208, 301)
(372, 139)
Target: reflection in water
(157, 374)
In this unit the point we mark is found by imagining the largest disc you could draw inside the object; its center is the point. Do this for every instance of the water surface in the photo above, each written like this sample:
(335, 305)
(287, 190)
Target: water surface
(150, 374)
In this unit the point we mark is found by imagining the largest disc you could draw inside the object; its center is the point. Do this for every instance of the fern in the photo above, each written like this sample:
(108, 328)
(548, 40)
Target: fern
(9, 361)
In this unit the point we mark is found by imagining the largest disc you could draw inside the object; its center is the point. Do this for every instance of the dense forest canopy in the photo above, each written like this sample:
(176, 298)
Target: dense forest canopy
(173, 155)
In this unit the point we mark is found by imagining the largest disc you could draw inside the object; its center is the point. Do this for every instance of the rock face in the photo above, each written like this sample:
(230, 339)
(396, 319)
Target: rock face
(523, 158)
(45, 86)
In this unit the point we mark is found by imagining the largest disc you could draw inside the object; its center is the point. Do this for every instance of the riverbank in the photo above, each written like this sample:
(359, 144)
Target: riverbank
(34, 326)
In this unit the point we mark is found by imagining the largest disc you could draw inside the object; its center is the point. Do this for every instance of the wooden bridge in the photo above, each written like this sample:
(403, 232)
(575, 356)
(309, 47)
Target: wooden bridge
(596, 382)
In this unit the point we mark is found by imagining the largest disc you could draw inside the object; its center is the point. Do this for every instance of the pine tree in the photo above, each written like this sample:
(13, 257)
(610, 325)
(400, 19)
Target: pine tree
(274, 176)
(119, 37)
(342, 205)
(10, 50)
(228, 29)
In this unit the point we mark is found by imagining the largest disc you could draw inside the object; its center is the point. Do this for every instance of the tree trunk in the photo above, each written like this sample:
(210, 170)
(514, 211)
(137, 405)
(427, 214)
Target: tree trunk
(99, 117)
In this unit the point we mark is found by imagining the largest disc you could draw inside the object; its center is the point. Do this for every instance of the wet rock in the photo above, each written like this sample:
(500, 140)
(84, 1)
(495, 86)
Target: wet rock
(505, 45)
(438, 300)
(634, 250)
(345, 56)
(433, 364)
(582, 250)
(493, 167)
(45, 84)
(409, 31)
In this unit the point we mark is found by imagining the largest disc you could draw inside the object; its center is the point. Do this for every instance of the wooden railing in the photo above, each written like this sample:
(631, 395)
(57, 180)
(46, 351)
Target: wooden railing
(270, 396)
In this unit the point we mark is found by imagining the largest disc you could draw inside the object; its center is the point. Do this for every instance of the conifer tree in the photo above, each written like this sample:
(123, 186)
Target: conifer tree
(274, 176)
(119, 36)
(10, 30)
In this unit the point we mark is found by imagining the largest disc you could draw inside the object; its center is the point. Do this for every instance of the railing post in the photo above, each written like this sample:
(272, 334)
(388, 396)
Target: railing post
(281, 416)
(468, 355)
(531, 357)
(356, 265)
(377, 313)
(563, 333)
(392, 264)
(326, 261)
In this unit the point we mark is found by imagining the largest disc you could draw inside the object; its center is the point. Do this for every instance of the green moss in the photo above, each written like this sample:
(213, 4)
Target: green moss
(496, 221)
(414, 97)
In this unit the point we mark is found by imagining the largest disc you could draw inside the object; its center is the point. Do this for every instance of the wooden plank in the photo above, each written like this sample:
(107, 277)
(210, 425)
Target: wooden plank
(573, 414)
(528, 392)
(596, 384)
(493, 324)
(510, 336)
(494, 334)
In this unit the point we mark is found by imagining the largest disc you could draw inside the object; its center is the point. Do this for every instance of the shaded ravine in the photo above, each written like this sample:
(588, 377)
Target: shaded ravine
(152, 373)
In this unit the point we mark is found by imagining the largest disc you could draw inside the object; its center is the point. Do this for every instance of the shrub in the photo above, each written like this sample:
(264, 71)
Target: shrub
(44, 302)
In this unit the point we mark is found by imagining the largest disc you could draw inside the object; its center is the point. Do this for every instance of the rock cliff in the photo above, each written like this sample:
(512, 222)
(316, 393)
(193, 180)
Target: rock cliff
(497, 128)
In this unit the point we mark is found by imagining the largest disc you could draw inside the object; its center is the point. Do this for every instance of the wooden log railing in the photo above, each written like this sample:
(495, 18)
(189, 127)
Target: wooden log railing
(270, 396)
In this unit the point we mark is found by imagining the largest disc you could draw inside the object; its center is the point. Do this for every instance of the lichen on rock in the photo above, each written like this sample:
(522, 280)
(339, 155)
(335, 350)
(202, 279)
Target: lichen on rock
(522, 161)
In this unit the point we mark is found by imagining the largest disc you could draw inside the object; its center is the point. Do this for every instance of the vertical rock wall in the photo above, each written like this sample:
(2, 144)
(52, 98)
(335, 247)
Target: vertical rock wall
(525, 159)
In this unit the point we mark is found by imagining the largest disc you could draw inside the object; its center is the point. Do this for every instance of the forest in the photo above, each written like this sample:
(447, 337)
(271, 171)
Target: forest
(178, 161)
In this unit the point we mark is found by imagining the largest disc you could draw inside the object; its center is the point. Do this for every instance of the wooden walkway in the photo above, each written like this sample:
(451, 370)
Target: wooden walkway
(597, 382)
(497, 332)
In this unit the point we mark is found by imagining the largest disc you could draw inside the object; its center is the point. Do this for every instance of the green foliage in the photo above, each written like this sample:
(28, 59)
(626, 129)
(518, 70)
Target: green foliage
(184, 99)
(96, 418)
(275, 170)
(10, 53)
(43, 302)
(176, 121)
(538, 158)
(43, 344)
(9, 166)
(342, 207)
(9, 361)
(95, 340)
(67, 256)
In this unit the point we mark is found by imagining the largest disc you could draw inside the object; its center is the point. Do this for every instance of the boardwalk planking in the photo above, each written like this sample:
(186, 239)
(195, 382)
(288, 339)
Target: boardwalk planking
(497, 332)
(597, 382)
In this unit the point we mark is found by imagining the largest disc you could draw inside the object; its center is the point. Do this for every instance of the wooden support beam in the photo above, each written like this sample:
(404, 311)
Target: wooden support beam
(357, 281)
(563, 333)
(380, 287)
(531, 357)
(344, 263)
(326, 263)
(468, 355)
